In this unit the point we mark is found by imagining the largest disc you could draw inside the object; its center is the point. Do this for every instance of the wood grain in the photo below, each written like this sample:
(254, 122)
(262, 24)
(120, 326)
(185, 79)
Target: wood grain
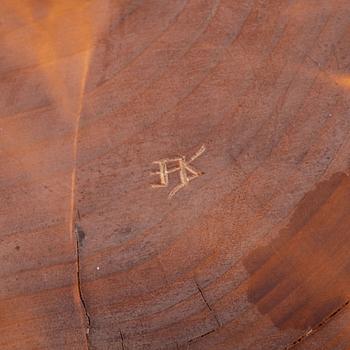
(252, 253)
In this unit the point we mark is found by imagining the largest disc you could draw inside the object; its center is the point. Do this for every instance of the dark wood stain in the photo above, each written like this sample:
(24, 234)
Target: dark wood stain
(301, 277)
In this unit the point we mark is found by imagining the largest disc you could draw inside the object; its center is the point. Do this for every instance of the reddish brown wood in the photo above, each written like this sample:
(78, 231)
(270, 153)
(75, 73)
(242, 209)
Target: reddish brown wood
(252, 253)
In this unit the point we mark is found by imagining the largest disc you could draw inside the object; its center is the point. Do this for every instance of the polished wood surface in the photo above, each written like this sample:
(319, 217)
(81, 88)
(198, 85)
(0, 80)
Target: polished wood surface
(175, 174)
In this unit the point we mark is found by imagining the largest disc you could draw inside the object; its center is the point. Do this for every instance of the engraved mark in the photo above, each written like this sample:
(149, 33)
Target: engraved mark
(171, 165)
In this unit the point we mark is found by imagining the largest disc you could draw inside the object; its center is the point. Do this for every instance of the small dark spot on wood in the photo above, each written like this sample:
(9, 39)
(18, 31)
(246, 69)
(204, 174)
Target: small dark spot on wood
(123, 231)
(81, 234)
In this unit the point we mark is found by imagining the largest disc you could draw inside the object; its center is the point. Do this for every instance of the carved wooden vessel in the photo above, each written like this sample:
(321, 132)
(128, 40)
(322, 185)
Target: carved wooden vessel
(174, 174)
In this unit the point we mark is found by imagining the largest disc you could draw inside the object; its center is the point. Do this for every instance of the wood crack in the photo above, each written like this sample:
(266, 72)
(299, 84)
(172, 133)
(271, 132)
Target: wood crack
(78, 231)
(207, 304)
(122, 338)
(312, 331)
(201, 336)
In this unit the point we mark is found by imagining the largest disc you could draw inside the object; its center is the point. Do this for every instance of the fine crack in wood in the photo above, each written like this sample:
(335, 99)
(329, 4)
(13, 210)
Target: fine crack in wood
(200, 336)
(122, 339)
(312, 331)
(81, 296)
(211, 310)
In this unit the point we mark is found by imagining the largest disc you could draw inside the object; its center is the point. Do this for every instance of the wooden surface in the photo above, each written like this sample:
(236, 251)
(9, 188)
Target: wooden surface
(253, 253)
